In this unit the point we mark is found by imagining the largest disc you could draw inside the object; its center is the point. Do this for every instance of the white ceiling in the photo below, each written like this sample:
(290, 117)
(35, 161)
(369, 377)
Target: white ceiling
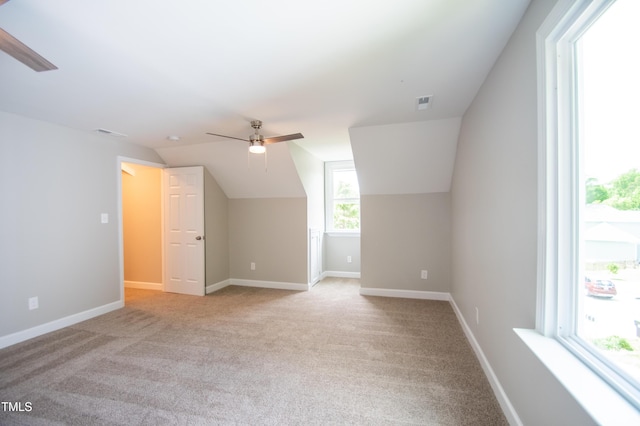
(150, 68)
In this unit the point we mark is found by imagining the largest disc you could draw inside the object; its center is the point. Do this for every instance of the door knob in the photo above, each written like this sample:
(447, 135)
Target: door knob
(199, 238)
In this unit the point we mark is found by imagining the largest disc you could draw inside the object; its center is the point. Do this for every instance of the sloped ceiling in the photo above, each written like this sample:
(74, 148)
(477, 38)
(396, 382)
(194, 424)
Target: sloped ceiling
(150, 69)
(250, 176)
(406, 158)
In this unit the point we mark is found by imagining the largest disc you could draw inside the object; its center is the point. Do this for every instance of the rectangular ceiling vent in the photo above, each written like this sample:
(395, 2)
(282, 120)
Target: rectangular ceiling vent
(110, 133)
(423, 102)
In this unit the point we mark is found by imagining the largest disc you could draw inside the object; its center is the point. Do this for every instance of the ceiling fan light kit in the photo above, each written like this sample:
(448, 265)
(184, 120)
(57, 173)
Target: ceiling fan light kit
(257, 147)
(257, 142)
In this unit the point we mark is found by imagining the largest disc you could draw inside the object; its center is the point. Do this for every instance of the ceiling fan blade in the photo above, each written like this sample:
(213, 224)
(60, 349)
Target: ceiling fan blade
(20, 51)
(230, 137)
(283, 138)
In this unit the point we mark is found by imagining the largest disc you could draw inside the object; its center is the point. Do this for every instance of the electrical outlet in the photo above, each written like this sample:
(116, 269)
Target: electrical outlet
(348, 259)
(477, 315)
(424, 274)
(33, 303)
(253, 266)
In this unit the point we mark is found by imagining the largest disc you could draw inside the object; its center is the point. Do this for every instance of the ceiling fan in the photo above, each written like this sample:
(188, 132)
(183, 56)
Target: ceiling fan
(20, 51)
(257, 142)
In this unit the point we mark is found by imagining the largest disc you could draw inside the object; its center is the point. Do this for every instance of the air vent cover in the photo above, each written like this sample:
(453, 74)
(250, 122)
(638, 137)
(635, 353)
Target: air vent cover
(423, 102)
(110, 133)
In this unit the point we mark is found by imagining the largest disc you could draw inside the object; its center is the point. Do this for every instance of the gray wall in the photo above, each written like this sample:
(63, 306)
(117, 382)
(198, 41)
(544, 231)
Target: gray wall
(216, 223)
(336, 250)
(56, 182)
(494, 227)
(402, 235)
(272, 232)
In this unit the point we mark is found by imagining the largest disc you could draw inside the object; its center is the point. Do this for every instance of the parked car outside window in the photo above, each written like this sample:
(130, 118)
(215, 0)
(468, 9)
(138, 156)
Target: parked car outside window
(599, 288)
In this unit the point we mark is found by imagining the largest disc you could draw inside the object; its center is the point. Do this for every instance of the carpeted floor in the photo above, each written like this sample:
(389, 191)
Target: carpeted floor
(253, 356)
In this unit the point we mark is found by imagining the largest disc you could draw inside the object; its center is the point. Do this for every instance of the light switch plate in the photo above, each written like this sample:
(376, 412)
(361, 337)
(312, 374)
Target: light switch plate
(33, 303)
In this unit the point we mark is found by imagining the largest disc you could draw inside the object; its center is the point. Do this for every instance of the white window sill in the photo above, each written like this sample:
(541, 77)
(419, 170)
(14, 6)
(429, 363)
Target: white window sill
(342, 234)
(600, 401)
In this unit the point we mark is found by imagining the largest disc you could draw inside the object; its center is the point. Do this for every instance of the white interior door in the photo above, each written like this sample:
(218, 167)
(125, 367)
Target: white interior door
(184, 230)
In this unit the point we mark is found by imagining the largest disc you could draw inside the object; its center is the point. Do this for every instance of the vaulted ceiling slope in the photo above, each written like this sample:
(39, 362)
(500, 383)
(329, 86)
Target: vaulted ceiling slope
(406, 158)
(240, 174)
(150, 69)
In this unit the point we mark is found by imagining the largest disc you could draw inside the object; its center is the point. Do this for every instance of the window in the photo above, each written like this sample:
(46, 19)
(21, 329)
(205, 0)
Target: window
(589, 276)
(342, 197)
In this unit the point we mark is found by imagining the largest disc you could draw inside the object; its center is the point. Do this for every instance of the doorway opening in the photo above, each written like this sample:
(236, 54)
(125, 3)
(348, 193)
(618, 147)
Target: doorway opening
(140, 220)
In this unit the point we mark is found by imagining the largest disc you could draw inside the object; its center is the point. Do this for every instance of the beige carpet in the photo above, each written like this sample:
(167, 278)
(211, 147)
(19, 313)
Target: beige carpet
(253, 356)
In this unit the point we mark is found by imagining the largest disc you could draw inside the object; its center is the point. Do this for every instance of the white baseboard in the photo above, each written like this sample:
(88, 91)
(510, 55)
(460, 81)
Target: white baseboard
(217, 286)
(143, 285)
(21, 336)
(501, 395)
(407, 294)
(340, 274)
(270, 284)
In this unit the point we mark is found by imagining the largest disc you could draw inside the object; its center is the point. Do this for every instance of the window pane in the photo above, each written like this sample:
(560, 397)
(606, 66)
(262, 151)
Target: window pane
(342, 194)
(345, 184)
(346, 215)
(609, 298)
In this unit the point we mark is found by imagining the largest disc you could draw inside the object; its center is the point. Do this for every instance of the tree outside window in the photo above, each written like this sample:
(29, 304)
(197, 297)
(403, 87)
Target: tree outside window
(343, 197)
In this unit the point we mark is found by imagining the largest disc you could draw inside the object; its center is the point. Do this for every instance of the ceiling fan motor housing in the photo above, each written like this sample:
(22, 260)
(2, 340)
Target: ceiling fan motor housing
(254, 139)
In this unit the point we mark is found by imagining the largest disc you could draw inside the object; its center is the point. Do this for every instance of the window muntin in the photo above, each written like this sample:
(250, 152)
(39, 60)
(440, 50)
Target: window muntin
(342, 197)
(579, 118)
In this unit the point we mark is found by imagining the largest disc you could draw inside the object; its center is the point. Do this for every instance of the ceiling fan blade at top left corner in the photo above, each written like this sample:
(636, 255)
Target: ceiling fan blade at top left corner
(23, 53)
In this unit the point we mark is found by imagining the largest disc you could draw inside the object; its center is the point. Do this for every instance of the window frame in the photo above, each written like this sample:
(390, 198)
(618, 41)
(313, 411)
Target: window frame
(330, 168)
(560, 192)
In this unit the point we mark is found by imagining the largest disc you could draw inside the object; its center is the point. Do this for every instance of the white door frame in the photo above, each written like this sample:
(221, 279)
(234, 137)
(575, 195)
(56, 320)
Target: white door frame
(120, 160)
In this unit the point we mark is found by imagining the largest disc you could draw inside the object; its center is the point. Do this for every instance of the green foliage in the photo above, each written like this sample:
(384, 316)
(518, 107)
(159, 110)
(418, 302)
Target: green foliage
(346, 190)
(623, 193)
(596, 193)
(613, 343)
(613, 268)
(346, 214)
